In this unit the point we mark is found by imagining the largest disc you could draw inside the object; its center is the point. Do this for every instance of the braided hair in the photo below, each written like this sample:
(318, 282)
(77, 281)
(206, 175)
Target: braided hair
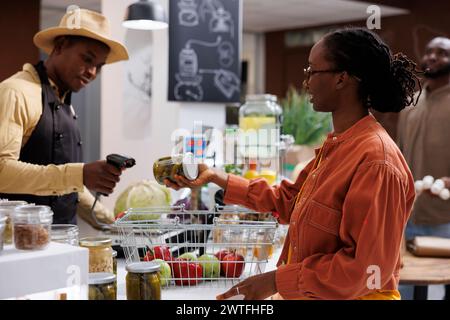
(387, 82)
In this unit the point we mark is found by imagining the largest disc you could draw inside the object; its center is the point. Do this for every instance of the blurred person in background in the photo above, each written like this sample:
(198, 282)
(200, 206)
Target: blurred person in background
(423, 134)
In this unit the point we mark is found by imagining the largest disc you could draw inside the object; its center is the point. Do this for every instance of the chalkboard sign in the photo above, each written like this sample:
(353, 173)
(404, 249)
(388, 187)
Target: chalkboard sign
(204, 50)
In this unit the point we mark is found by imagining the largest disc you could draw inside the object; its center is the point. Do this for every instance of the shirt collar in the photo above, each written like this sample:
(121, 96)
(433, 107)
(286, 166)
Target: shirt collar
(355, 129)
(436, 92)
(28, 67)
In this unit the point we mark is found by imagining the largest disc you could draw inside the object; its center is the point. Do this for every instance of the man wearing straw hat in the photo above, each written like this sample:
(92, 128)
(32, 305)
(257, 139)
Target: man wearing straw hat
(40, 143)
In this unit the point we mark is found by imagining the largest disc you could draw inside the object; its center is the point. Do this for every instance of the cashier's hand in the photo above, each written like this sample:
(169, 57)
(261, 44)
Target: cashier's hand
(205, 175)
(100, 176)
(258, 287)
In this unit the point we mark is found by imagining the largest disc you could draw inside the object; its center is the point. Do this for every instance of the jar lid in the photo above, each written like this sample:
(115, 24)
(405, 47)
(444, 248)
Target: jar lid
(143, 267)
(260, 97)
(95, 241)
(7, 203)
(101, 278)
(114, 253)
(30, 211)
(190, 166)
(61, 230)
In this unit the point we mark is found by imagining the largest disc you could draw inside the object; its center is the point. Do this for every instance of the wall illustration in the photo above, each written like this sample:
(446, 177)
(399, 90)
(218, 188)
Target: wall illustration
(204, 48)
(136, 111)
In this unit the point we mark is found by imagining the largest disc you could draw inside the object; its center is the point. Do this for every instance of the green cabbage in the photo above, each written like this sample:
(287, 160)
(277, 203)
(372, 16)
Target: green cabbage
(143, 194)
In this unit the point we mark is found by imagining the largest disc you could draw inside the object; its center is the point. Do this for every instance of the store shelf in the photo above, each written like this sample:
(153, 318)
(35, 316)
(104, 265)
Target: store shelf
(60, 268)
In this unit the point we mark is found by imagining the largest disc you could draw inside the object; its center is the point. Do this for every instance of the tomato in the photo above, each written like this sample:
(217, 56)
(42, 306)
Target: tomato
(232, 265)
(185, 272)
(221, 254)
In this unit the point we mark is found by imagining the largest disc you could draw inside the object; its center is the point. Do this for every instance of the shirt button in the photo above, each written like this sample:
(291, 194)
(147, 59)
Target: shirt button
(58, 107)
(293, 223)
(54, 192)
(295, 248)
(334, 138)
(60, 136)
(80, 143)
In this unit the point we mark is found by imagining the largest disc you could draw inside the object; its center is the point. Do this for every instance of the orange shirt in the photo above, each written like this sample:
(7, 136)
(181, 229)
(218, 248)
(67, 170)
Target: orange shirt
(349, 220)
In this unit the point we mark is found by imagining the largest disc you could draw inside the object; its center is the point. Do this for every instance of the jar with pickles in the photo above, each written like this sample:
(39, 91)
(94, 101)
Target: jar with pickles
(142, 281)
(102, 286)
(181, 164)
(100, 253)
(7, 208)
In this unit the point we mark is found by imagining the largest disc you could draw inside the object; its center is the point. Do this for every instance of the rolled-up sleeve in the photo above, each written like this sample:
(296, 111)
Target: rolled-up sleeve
(375, 210)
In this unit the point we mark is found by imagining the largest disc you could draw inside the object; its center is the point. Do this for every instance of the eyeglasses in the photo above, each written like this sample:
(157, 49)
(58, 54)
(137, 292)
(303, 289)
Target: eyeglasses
(308, 72)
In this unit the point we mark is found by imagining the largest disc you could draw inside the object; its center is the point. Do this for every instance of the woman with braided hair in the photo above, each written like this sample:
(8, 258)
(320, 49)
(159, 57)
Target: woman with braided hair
(348, 208)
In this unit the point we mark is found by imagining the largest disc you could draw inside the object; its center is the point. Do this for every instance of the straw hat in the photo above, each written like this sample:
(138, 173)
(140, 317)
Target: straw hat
(85, 23)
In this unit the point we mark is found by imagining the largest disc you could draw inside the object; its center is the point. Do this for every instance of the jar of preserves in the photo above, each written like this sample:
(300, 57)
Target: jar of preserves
(65, 233)
(102, 286)
(7, 208)
(100, 253)
(31, 227)
(114, 256)
(180, 164)
(142, 281)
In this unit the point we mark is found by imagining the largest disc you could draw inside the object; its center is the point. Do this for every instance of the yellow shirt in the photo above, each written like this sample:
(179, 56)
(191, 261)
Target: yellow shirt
(20, 111)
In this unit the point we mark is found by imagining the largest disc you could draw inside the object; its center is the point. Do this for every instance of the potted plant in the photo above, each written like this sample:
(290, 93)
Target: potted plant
(308, 127)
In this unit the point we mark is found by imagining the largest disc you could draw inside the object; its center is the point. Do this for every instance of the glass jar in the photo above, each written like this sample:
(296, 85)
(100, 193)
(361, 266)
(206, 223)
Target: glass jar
(142, 281)
(180, 164)
(259, 121)
(114, 257)
(7, 208)
(65, 233)
(31, 227)
(100, 253)
(102, 286)
(3, 219)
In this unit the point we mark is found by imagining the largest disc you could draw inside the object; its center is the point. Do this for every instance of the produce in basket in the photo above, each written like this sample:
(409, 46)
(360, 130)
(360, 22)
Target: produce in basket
(142, 194)
(186, 273)
(165, 272)
(233, 265)
(210, 265)
(158, 252)
(188, 256)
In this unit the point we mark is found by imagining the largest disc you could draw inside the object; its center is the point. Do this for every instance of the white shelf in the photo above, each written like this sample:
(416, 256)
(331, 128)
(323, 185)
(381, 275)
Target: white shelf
(58, 268)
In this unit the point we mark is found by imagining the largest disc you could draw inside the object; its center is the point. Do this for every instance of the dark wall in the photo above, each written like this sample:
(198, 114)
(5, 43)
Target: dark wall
(19, 21)
(406, 33)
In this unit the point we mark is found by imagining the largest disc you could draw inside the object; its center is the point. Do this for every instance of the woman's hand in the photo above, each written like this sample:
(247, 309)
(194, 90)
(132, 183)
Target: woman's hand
(258, 287)
(205, 175)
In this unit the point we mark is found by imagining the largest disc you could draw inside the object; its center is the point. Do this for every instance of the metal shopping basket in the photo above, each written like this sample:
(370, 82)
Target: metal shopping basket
(200, 234)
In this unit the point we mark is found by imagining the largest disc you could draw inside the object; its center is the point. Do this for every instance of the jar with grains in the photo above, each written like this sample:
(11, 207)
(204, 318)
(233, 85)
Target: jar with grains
(181, 164)
(102, 286)
(65, 233)
(142, 281)
(100, 253)
(7, 208)
(31, 227)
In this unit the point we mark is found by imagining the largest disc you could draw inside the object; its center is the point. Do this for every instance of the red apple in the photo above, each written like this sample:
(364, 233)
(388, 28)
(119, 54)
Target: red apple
(221, 254)
(232, 265)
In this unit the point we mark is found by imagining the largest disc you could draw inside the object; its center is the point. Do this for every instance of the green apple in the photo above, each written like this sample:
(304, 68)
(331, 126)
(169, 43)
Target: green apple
(188, 256)
(164, 272)
(211, 266)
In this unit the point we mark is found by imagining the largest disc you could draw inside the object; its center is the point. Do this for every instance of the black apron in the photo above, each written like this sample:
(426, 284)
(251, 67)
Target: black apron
(55, 140)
